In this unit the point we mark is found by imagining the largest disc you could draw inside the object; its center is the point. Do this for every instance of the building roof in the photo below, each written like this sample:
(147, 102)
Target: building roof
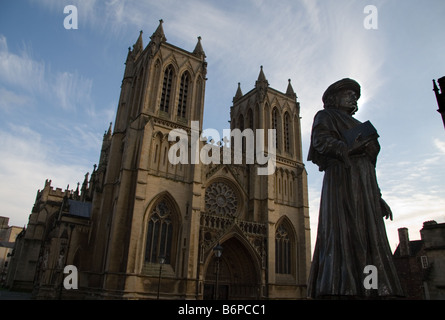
(79, 208)
(415, 247)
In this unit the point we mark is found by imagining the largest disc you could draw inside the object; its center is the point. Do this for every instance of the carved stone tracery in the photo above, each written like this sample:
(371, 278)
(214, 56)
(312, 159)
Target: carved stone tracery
(221, 199)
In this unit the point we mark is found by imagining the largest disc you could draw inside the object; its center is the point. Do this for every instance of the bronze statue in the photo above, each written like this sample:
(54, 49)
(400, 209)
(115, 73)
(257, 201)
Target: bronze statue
(351, 231)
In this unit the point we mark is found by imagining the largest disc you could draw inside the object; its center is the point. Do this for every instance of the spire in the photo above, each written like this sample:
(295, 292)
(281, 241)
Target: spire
(109, 130)
(199, 51)
(262, 79)
(158, 36)
(290, 91)
(238, 93)
(138, 46)
(77, 192)
(84, 188)
(261, 84)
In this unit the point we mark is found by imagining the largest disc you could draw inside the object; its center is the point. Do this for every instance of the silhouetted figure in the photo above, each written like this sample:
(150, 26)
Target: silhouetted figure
(351, 230)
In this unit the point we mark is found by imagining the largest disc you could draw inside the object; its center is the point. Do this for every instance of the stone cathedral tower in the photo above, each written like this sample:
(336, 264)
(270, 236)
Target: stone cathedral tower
(138, 209)
(280, 200)
(147, 205)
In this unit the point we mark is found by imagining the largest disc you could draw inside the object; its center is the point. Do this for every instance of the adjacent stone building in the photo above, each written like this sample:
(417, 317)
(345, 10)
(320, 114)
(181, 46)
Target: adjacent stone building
(138, 209)
(421, 263)
(7, 240)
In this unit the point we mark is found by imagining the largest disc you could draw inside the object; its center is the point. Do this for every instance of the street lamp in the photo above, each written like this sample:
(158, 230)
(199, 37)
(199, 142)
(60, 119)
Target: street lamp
(217, 250)
(161, 263)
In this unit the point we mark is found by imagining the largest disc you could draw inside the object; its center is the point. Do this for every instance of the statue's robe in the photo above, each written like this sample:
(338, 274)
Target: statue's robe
(351, 230)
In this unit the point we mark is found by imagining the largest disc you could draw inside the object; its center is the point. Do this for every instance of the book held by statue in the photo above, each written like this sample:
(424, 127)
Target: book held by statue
(360, 135)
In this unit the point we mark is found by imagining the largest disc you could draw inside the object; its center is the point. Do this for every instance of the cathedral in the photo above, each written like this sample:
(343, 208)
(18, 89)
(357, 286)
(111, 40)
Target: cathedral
(142, 227)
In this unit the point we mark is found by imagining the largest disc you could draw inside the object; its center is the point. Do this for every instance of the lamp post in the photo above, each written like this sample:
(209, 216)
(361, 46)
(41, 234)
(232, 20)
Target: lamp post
(161, 263)
(217, 250)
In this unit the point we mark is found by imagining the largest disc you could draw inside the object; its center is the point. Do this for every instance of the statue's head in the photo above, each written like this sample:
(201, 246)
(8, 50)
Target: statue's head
(342, 95)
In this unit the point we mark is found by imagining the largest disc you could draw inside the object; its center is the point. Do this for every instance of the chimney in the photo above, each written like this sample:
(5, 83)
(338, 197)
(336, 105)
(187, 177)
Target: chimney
(4, 222)
(403, 242)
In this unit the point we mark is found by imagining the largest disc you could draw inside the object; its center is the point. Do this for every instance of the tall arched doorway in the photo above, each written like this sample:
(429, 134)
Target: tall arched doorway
(238, 273)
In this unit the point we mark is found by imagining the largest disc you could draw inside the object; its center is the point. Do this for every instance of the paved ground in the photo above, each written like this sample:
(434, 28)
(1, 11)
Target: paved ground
(12, 295)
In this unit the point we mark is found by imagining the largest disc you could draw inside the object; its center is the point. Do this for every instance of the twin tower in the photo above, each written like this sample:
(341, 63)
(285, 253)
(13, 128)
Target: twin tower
(146, 211)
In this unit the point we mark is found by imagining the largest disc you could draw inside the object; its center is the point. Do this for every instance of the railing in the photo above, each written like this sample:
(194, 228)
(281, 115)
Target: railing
(219, 222)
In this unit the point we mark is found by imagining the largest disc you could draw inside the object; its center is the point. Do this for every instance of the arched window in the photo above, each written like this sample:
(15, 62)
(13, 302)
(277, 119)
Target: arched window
(241, 122)
(137, 95)
(159, 234)
(198, 98)
(156, 153)
(183, 92)
(250, 118)
(166, 88)
(275, 125)
(274, 118)
(282, 250)
(286, 133)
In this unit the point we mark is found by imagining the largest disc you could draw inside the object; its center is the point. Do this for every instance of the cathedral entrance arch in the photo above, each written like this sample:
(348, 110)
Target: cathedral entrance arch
(239, 275)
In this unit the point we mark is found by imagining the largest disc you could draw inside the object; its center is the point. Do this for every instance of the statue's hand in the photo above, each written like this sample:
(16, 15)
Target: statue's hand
(387, 213)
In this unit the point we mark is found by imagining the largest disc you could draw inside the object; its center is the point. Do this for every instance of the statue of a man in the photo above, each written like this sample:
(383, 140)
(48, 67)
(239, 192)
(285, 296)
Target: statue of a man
(351, 231)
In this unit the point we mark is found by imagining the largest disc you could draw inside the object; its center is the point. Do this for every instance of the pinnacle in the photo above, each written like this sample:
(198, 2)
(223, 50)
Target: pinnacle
(199, 51)
(159, 35)
(238, 93)
(262, 79)
(290, 91)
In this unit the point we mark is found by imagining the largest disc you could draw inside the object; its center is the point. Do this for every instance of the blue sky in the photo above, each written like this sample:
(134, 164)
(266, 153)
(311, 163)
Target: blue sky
(59, 88)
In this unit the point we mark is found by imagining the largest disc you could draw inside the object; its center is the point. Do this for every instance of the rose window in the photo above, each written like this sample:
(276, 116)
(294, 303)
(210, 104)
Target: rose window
(220, 199)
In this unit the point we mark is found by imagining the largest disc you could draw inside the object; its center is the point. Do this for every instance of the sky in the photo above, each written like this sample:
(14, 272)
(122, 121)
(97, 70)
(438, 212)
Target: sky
(59, 88)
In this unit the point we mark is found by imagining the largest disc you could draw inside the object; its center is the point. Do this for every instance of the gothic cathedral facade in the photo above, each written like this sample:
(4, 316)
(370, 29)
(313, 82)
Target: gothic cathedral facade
(142, 227)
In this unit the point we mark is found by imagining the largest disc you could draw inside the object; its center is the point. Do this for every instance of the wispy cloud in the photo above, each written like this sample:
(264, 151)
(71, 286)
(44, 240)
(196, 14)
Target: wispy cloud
(412, 190)
(72, 90)
(314, 43)
(26, 161)
(28, 78)
(34, 143)
(20, 70)
(440, 145)
(11, 101)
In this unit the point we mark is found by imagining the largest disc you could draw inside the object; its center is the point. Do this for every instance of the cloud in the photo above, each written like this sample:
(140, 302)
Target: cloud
(413, 190)
(314, 43)
(11, 101)
(31, 79)
(440, 145)
(20, 71)
(26, 161)
(72, 90)
(34, 145)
